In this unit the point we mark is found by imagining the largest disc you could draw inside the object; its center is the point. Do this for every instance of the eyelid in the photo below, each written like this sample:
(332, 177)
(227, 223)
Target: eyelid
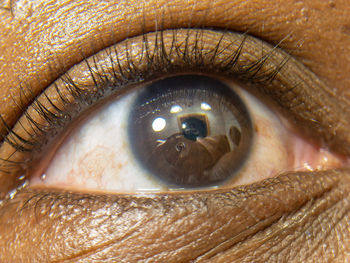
(302, 97)
(263, 211)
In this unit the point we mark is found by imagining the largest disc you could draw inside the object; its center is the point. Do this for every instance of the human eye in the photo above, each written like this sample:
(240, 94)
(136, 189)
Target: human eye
(166, 224)
(100, 152)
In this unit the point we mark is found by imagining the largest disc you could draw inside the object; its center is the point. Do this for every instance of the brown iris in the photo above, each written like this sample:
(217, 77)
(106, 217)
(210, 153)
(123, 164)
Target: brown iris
(190, 131)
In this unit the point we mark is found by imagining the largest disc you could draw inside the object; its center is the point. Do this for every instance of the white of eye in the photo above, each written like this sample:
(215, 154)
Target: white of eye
(96, 155)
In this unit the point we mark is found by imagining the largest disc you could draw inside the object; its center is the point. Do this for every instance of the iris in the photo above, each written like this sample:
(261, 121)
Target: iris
(190, 131)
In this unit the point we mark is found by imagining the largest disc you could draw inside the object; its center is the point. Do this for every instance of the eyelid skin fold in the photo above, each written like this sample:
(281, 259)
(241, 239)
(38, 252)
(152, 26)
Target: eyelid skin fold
(304, 99)
(241, 225)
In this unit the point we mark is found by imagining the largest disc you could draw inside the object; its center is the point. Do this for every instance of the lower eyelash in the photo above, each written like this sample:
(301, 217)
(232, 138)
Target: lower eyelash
(70, 95)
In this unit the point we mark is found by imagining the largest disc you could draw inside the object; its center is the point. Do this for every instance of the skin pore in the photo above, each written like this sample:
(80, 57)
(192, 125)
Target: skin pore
(295, 217)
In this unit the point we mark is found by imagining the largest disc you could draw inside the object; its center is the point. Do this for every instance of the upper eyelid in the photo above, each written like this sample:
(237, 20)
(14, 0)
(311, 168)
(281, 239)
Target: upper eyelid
(308, 81)
(272, 60)
(57, 67)
(149, 17)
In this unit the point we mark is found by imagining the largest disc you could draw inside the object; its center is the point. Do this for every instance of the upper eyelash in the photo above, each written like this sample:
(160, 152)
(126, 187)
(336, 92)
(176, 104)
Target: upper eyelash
(156, 59)
(54, 120)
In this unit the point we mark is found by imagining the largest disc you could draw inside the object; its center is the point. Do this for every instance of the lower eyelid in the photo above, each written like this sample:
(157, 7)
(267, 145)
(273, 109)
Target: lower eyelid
(225, 218)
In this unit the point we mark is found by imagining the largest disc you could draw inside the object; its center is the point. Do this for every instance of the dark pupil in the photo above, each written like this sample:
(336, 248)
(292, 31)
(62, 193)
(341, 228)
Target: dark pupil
(190, 131)
(193, 127)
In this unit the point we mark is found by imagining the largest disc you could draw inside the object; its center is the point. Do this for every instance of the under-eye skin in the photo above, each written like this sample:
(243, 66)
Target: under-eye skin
(267, 70)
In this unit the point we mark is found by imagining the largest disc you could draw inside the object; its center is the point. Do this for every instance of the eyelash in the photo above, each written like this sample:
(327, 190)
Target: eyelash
(105, 84)
(55, 121)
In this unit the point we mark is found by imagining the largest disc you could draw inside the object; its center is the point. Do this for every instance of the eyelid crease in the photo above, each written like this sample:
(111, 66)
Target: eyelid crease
(303, 98)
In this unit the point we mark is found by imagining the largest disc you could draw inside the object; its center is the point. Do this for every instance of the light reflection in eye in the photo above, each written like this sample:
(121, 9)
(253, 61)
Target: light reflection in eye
(158, 124)
(175, 109)
(205, 106)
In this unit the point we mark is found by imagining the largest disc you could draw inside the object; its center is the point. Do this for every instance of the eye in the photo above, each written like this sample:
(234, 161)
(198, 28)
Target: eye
(180, 132)
(139, 116)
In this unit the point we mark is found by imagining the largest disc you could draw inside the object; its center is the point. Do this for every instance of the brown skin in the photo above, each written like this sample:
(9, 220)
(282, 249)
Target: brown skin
(292, 218)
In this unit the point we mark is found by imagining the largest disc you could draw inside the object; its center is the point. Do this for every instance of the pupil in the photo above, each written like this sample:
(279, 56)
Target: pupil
(192, 128)
(190, 131)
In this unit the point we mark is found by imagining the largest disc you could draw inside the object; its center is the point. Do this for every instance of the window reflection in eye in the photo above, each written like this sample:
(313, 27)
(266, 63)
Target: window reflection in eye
(98, 156)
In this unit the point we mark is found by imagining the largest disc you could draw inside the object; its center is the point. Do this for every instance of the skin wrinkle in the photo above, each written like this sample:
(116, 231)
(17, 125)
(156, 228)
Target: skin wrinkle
(90, 228)
(49, 42)
(301, 216)
(6, 4)
(204, 219)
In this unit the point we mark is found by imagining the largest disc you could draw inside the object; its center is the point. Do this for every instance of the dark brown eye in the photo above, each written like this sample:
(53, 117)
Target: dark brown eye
(190, 131)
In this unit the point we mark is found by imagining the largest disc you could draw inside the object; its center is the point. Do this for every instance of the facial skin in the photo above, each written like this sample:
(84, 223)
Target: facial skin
(297, 217)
